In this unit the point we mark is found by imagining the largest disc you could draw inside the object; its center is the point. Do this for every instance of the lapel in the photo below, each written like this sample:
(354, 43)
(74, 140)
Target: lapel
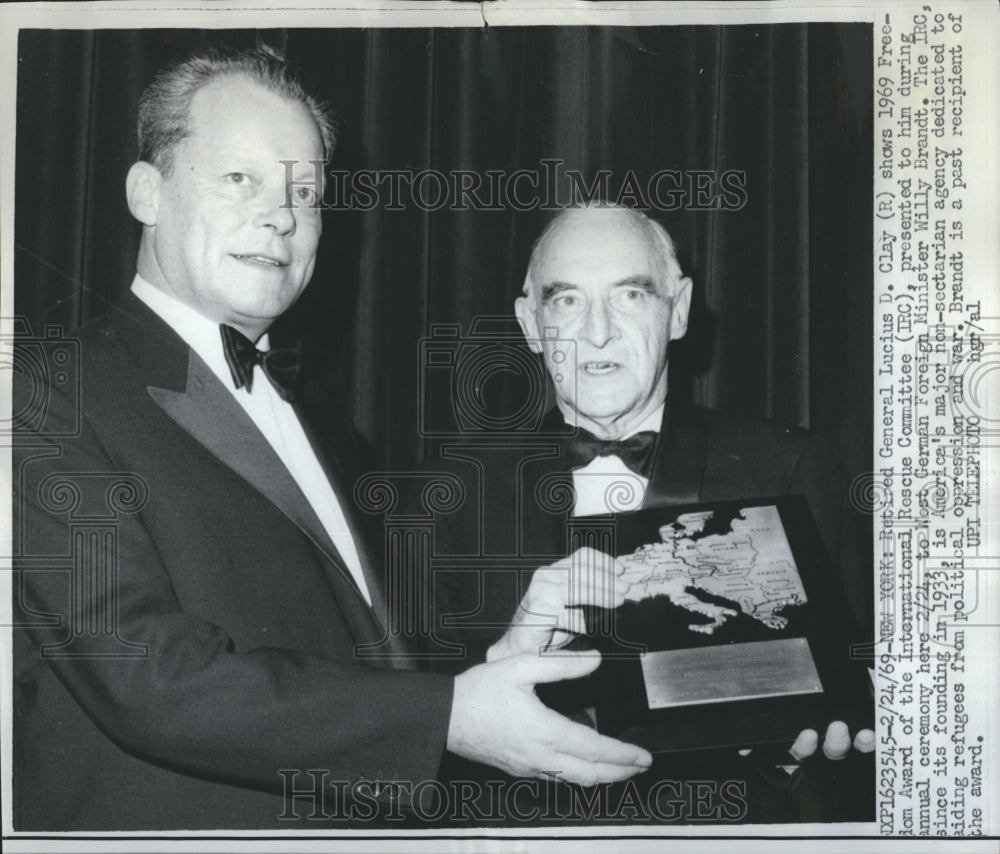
(679, 462)
(545, 530)
(210, 414)
(544, 498)
(368, 536)
(191, 395)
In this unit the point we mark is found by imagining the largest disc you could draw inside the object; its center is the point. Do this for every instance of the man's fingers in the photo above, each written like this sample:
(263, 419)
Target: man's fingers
(574, 770)
(864, 741)
(592, 555)
(532, 669)
(497, 719)
(549, 614)
(587, 577)
(572, 620)
(586, 562)
(552, 589)
(594, 575)
(586, 556)
(837, 741)
(805, 745)
(592, 747)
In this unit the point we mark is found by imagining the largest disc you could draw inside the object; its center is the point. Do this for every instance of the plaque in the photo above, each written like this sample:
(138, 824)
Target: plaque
(735, 631)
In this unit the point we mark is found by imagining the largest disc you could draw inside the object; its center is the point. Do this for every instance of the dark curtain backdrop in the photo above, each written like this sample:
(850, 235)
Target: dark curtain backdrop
(781, 325)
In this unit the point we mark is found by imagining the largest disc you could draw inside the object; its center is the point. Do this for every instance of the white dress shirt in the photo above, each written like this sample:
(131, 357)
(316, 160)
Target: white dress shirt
(274, 417)
(607, 485)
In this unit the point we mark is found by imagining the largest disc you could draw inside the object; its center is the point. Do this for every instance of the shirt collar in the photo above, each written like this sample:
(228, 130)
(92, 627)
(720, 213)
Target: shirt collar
(199, 333)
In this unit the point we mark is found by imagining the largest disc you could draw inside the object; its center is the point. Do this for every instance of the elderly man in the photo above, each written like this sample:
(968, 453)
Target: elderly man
(607, 280)
(603, 298)
(195, 593)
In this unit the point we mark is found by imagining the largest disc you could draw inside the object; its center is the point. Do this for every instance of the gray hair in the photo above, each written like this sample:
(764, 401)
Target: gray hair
(670, 268)
(165, 104)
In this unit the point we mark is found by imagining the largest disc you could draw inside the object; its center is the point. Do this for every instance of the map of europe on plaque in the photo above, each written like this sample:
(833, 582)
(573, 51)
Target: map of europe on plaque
(721, 568)
(751, 563)
(734, 630)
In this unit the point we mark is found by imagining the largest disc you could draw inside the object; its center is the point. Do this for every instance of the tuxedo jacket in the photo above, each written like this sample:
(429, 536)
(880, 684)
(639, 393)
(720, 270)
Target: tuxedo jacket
(187, 635)
(519, 495)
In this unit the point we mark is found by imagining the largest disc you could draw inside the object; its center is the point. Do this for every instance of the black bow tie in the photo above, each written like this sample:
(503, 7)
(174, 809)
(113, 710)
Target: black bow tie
(280, 364)
(635, 451)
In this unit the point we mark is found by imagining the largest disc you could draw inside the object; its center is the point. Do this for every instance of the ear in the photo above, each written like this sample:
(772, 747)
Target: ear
(142, 190)
(682, 305)
(528, 323)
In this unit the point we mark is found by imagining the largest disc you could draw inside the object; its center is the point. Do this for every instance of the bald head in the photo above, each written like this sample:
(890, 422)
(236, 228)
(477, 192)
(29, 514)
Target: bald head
(604, 296)
(602, 231)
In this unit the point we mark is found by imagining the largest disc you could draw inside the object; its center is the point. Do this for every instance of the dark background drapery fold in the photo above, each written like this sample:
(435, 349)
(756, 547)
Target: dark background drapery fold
(781, 324)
